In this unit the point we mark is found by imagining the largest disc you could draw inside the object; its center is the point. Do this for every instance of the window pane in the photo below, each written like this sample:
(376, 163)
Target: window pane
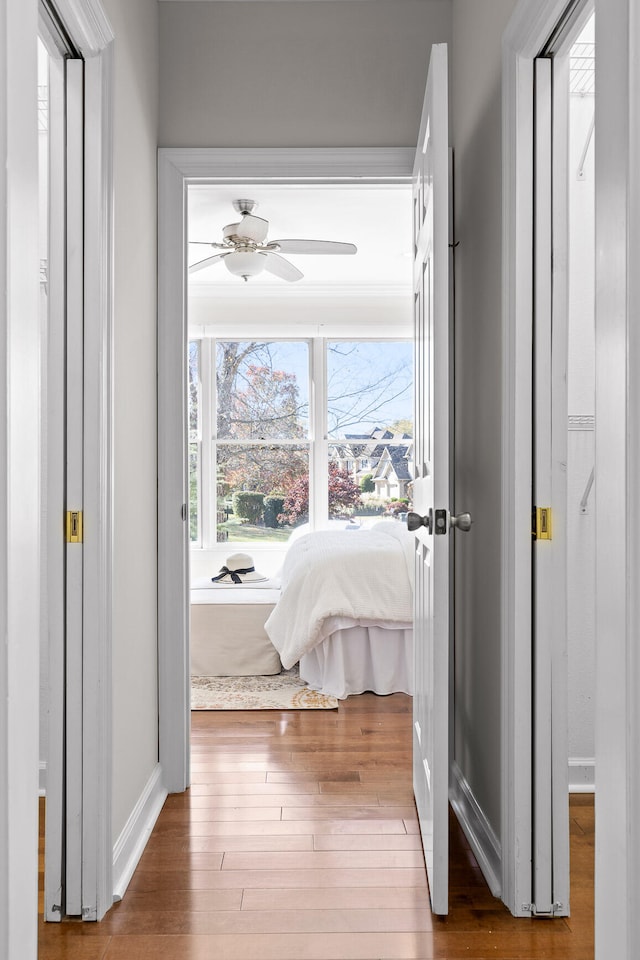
(370, 390)
(194, 492)
(263, 490)
(262, 390)
(378, 471)
(194, 390)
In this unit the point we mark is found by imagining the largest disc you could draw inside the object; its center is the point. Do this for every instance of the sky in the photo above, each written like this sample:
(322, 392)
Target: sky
(370, 384)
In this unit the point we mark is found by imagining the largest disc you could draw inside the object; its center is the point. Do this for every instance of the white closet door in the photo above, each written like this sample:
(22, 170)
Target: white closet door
(74, 483)
(550, 841)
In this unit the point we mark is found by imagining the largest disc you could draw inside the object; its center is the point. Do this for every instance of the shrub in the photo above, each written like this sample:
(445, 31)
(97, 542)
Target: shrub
(273, 506)
(366, 484)
(398, 506)
(248, 506)
(344, 496)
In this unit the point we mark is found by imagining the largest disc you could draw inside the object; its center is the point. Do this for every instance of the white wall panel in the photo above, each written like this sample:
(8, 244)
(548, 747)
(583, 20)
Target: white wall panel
(477, 189)
(135, 734)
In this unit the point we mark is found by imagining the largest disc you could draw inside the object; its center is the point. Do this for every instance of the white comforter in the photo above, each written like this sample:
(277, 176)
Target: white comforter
(343, 578)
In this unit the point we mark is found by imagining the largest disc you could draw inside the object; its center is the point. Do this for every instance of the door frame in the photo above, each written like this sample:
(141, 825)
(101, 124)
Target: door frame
(177, 167)
(617, 922)
(20, 457)
(93, 36)
(529, 29)
(19, 481)
(617, 144)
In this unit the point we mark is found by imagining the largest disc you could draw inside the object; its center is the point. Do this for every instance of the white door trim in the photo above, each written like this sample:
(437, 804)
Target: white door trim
(528, 30)
(19, 481)
(176, 168)
(618, 479)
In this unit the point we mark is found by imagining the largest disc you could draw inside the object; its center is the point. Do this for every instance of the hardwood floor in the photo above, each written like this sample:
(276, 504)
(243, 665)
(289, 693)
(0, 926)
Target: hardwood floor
(298, 840)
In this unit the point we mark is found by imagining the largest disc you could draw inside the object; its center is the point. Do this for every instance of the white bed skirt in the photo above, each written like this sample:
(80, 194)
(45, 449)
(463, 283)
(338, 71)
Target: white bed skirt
(356, 659)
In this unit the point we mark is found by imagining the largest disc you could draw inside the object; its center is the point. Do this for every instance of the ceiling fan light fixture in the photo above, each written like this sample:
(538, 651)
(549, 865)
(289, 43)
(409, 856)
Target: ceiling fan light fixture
(245, 264)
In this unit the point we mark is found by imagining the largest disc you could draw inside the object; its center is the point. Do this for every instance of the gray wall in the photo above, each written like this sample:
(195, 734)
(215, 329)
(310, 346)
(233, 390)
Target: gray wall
(135, 706)
(353, 74)
(276, 74)
(476, 108)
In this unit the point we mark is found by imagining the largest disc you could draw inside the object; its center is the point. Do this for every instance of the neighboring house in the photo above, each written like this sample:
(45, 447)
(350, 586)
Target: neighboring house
(380, 454)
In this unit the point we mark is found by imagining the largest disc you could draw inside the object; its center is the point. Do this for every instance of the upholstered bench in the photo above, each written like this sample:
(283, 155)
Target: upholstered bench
(228, 638)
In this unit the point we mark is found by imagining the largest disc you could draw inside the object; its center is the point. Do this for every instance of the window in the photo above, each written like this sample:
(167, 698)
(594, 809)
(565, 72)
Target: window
(260, 416)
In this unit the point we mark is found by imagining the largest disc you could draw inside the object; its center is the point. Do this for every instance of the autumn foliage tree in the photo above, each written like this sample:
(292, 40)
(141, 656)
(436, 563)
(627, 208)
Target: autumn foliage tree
(344, 495)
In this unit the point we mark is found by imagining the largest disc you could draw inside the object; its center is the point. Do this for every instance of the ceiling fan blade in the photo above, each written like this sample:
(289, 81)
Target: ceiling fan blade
(253, 228)
(208, 262)
(313, 246)
(249, 228)
(281, 268)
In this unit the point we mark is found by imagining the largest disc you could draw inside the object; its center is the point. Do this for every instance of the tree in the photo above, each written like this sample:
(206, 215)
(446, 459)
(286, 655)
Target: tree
(255, 400)
(402, 426)
(364, 384)
(258, 401)
(366, 484)
(344, 495)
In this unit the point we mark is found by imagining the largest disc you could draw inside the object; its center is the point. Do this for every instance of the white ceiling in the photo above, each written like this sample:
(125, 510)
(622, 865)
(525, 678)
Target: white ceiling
(376, 218)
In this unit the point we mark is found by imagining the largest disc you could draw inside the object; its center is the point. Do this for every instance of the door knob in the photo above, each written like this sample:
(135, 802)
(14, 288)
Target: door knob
(462, 522)
(415, 521)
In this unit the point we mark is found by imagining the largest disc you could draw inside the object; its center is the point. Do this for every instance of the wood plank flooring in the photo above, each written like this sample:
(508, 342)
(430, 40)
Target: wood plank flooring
(299, 841)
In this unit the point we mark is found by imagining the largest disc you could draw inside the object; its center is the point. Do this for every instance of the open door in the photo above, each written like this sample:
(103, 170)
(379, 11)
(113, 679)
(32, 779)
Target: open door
(431, 488)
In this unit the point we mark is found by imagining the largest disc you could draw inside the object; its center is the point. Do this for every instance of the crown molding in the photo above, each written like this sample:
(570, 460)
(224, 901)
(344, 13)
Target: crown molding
(338, 291)
(295, 165)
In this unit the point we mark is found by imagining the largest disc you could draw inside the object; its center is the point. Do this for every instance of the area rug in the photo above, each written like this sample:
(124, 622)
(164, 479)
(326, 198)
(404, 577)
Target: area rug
(284, 691)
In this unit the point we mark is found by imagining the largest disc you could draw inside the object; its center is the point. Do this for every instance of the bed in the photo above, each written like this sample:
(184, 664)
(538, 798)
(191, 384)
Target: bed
(345, 610)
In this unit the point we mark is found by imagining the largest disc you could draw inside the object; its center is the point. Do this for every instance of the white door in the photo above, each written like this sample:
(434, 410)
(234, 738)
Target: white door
(62, 124)
(550, 822)
(431, 489)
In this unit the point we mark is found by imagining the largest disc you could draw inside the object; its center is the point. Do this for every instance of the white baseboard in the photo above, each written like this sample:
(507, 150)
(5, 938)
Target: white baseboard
(477, 829)
(42, 778)
(130, 845)
(582, 773)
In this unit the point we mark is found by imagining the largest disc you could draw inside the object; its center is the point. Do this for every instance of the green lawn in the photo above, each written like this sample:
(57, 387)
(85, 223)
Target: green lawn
(249, 533)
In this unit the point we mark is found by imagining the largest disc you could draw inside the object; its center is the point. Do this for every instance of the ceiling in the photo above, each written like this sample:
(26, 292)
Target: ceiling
(376, 218)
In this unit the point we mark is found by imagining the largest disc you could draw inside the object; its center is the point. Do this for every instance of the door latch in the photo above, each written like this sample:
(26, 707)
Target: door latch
(542, 527)
(73, 526)
(441, 521)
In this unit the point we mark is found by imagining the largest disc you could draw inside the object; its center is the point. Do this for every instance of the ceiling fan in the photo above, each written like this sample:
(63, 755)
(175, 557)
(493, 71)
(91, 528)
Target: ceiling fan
(246, 251)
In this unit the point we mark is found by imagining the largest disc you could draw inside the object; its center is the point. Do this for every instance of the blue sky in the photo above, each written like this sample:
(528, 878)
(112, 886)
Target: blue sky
(369, 383)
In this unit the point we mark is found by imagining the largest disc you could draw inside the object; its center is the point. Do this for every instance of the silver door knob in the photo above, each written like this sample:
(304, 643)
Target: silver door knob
(462, 522)
(415, 521)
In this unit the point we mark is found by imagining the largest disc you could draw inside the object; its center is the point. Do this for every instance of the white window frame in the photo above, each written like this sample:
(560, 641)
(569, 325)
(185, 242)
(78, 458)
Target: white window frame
(317, 440)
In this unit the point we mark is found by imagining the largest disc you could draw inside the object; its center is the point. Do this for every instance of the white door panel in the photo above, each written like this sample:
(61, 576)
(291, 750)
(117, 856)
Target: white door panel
(55, 496)
(431, 486)
(74, 484)
(550, 846)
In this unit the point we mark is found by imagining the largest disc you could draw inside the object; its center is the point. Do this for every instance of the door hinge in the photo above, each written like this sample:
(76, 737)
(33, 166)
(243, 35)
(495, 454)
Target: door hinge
(536, 912)
(542, 523)
(73, 526)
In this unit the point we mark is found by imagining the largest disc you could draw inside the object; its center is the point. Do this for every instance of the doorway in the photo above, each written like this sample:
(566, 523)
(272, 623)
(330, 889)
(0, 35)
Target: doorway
(177, 170)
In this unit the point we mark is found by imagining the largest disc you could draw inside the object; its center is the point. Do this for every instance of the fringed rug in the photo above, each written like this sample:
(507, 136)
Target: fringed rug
(284, 691)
